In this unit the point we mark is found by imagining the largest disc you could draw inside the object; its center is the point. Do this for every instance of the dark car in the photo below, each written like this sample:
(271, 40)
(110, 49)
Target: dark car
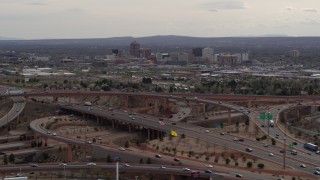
(295, 143)
(176, 159)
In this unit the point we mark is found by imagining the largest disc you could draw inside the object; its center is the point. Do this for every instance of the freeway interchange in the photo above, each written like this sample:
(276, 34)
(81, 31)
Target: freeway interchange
(311, 160)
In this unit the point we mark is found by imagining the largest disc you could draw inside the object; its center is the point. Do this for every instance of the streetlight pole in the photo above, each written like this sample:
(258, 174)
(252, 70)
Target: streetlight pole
(284, 153)
(268, 122)
(64, 171)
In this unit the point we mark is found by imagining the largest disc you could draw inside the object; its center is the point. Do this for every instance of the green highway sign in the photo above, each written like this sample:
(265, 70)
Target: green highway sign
(262, 116)
(270, 116)
(108, 103)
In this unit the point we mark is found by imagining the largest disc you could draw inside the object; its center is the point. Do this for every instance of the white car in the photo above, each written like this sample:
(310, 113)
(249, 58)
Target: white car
(126, 165)
(209, 166)
(266, 145)
(235, 139)
(121, 149)
(91, 164)
(207, 131)
(271, 154)
(62, 164)
(163, 167)
(54, 134)
(317, 172)
(89, 142)
(186, 169)
(303, 166)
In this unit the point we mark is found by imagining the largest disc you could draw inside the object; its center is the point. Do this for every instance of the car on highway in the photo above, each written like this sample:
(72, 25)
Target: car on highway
(222, 133)
(317, 168)
(99, 138)
(249, 149)
(163, 167)
(126, 165)
(239, 175)
(91, 164)
(266, 145)
(317, 172)
(318, 152)
(158, 156)
(48, 132)
(186, 169)
(220, 102)
(209, 166)
(62, 164)
(235, 139)
(34, 165)
(176, 159)
(207, 131)
(89, 142)
(54, 134)
(302, 165)
(121, 149)
(208, 171)
(294, 152)
(271, 154)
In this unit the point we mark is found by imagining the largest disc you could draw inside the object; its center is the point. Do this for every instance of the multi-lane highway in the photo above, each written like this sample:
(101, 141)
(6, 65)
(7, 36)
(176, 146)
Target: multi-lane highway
(192, 131)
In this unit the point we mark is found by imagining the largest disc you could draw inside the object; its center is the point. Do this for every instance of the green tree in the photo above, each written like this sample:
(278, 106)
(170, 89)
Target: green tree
(149, 160)
(109, 158)
(94, 140)
(5, 159)
(227, 161)
(249, 164)
(261, 165)
(141, 161)
(11, 158)
(126, 145)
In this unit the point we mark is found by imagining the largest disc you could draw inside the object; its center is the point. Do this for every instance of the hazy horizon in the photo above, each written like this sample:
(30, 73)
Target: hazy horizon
(82, 19)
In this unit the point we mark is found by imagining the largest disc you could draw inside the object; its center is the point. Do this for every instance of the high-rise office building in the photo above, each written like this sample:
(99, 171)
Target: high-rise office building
(135, 49)
(197, 52)
(208, 53)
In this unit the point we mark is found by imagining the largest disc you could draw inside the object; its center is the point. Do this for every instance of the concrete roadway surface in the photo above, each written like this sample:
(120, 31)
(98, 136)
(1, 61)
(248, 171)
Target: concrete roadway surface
(199, 132)
(18, 106)
(193, 165)
(306, 157)
(279, 135)
(111, 167)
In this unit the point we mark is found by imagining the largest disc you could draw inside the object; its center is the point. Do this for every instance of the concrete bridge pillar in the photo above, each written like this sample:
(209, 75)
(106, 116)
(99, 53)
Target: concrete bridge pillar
(166, 104)
(172, 177)
(98, 120)
(129, 126)
(69, 152)
(229, 116)
(156, 106)
(146, 101)
(203, 107)
(126, 101)
(46, 141)
(298, 113)
(149, 133)
(218, 110)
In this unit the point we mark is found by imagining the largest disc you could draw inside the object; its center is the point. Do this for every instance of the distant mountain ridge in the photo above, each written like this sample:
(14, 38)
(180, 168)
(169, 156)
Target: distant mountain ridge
(178, 41)
(7, 38)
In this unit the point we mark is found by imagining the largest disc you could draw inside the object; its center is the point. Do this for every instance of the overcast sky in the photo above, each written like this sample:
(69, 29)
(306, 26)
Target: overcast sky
(39, 19)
